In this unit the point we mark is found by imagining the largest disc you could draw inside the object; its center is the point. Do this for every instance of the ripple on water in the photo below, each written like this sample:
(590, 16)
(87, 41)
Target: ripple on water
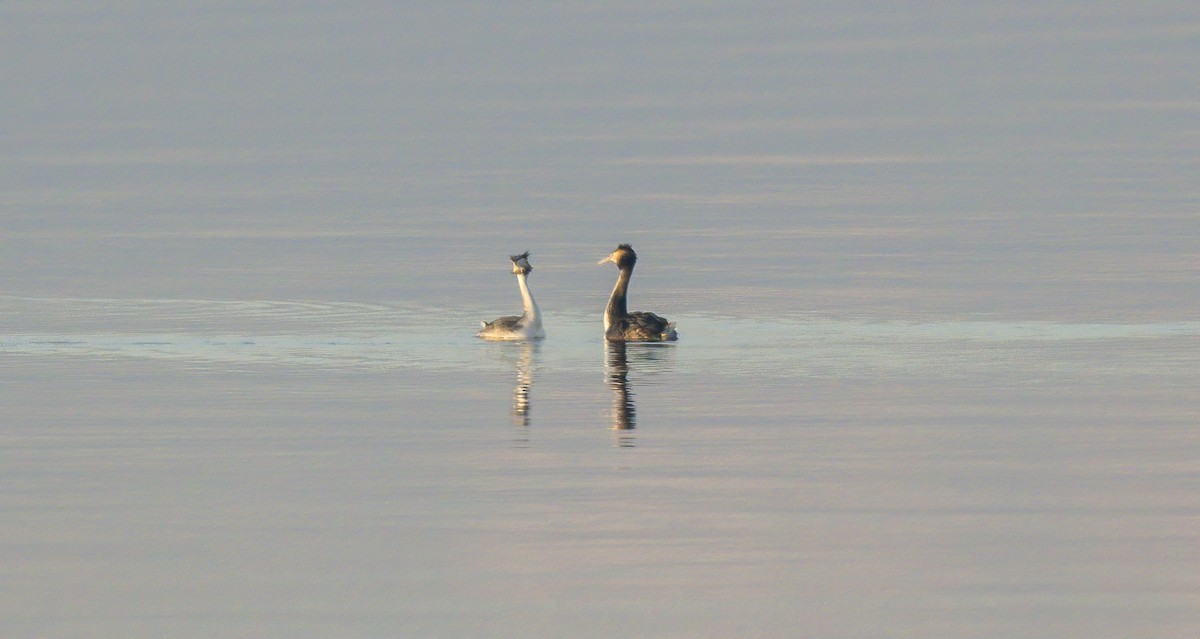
(377, 336)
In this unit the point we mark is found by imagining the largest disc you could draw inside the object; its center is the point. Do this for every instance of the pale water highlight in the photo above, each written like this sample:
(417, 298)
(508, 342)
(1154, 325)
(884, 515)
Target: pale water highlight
(369, 337)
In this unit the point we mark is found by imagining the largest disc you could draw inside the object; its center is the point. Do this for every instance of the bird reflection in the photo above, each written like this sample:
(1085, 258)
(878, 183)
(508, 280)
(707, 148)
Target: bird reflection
(616, 370)
(647, 361)
(521, 404)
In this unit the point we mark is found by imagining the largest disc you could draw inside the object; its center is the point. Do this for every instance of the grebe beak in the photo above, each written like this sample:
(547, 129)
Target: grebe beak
(606, 260)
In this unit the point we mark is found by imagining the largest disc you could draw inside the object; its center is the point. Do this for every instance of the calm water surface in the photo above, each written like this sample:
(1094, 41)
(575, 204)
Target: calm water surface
(319, 468)
(934, 271)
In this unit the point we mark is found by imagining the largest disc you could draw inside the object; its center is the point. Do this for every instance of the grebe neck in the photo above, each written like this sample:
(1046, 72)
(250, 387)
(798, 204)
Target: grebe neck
(531, 307)
(616, 302)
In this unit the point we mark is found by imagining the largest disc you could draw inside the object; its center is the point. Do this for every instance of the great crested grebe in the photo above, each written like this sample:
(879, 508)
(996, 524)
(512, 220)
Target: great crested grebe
(619, 324)
(510, 327)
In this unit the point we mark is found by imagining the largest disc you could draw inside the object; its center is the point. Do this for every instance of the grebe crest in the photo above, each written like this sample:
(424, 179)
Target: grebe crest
(512, 327)
(619, 324)
(521, 265)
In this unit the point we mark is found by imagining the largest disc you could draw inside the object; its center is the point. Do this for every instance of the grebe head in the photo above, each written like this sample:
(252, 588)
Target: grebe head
(623, 257)
(521, 263)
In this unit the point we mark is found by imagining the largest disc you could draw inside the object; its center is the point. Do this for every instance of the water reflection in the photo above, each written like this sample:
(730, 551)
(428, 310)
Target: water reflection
(616, 371)
(647, 361)
(523, 357)
(521, 405)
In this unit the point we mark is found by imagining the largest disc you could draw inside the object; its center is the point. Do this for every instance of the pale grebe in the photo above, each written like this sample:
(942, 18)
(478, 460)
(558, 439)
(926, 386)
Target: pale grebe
(511, 327)
(619, 324)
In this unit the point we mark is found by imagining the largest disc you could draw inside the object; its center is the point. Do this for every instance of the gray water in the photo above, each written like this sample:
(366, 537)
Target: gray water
(934, 270)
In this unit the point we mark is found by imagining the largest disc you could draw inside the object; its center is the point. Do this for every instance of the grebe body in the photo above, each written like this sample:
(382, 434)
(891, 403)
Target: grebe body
(527, 326)
(619, 324)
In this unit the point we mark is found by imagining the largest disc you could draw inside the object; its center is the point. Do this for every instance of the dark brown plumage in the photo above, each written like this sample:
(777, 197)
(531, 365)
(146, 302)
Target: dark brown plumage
(619, 324)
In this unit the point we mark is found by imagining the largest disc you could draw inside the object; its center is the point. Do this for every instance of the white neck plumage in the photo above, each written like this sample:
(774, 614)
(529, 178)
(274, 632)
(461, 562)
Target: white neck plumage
(531, 307)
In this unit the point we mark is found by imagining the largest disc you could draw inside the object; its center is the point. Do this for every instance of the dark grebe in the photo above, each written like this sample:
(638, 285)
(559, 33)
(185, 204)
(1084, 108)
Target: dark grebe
(619, 324)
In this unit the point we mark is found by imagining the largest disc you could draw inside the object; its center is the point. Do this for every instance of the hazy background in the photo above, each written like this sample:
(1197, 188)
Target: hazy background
(1035, 159)
(934, 266)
